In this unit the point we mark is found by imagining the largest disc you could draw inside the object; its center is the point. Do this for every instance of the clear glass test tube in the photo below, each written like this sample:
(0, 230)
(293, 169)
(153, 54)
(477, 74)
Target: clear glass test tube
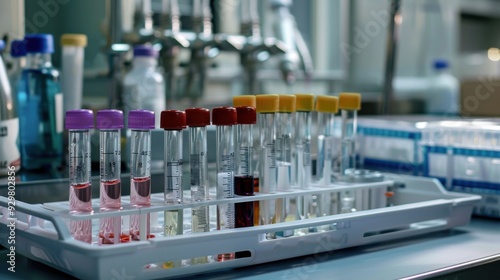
(79, 123)
(326, 106)
(250, 101)
(224, 119)
(140, 122)
(285, 207)
(243, 175)
(173, 122)
(349, 104)
(109, 123)
(306, 205)
(267, 106)
(197, 120)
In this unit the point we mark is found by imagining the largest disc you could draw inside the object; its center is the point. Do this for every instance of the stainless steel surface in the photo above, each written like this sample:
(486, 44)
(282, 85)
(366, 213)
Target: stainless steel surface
(395, 19)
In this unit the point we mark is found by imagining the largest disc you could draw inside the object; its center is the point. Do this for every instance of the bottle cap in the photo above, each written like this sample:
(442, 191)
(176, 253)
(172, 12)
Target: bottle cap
(304, 102)
(79, 119)
(173, 120)
(109, 119)
(440, 64)
(327, 104)
(145, 50)
(267, 103)
(224, 116)
(197, 117)
(18, 48)
(287, 103)
(39, 43)
(246, 115)
(349, 101)
(141, 119)
(244, 100)
(2, 45)
(79, 40)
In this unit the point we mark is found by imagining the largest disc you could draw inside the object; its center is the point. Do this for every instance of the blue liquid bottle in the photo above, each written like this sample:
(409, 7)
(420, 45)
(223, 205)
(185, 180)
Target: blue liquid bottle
(40, 106)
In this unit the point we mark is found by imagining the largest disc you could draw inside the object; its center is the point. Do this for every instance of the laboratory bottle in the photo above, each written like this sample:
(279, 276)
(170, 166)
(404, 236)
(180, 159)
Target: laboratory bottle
(73, 54)
(40, 106)
(79, 123)
(444, 91)
(144, 87)
(9, 125)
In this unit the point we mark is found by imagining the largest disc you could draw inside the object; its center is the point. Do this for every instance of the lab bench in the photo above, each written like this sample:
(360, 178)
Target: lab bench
(460, 251)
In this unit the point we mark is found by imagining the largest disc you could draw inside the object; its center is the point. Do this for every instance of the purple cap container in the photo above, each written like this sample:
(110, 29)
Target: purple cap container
(145, 50)
(141, 119)
(79, 119)
(109, 119)
(18, 48)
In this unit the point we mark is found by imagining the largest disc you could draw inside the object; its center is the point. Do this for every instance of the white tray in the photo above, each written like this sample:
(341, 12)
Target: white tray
(422, 206)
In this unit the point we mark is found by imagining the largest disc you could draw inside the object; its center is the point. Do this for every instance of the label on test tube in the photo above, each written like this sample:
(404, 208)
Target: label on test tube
(271, 154)
(226, 176)
(109, 162)
(196, 174)
(173, 181)
(283, 145)
(246, 154)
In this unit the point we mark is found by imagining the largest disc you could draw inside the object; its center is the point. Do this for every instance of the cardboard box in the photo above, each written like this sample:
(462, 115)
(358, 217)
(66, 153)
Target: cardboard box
(480, 97)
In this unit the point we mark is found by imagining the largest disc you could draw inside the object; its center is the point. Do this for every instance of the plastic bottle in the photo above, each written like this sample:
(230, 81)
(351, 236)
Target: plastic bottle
(72, 69)
(40, 106)
(9, 124)
(444, 90)
(144, 87)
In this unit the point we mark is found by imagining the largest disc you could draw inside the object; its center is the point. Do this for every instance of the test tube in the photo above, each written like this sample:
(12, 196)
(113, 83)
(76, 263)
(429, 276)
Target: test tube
(285, 180)
(73, 49)
(79, 122)
(304, 106)
(140, 122)
(267, 106)
(109, 123)
(327, 107)
(349, 104)
(224, 118)
(197, 120)
(249, 101)
(173, 122)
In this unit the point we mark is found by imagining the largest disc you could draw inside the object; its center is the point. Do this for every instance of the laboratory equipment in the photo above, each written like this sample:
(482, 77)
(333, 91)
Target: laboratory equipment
(144, 87)
(18, 54)
(349, 104)
(285, 180)
(224, 119)
(327, 107)
(250, 101)
(40, 106)
(9, 124)
(173, 122)
(306, 205)
(442, 97)
(109, 123)
(243, 174)
(197, 120)
(79, 123)
(140, 122)
(267, 106)
(73, 52)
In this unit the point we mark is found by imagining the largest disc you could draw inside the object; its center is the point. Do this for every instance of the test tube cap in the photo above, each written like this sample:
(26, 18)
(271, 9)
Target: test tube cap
(327, 104)
(304, 102)
(78, 40)
(79, 119)
(18, 48)
(197, 117)
(287, 103)
(349, 101)
(224, 116)
(244, 100)
(141, 119)
(246, 115)
(109, 119)
(39, 43)
(267, 103)
(173, 120)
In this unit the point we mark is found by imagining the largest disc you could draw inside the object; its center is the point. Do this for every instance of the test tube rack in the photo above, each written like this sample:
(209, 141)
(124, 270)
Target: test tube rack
(420, 205)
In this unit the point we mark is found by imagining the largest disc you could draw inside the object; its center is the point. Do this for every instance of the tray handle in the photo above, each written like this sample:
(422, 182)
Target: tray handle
(39, 212)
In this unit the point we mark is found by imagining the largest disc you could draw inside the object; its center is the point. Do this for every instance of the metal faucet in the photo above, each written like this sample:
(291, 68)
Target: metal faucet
(297, 54)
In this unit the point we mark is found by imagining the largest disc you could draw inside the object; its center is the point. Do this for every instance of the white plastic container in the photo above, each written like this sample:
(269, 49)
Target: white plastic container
(144, 87)
(444, 89)
(73, 48)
